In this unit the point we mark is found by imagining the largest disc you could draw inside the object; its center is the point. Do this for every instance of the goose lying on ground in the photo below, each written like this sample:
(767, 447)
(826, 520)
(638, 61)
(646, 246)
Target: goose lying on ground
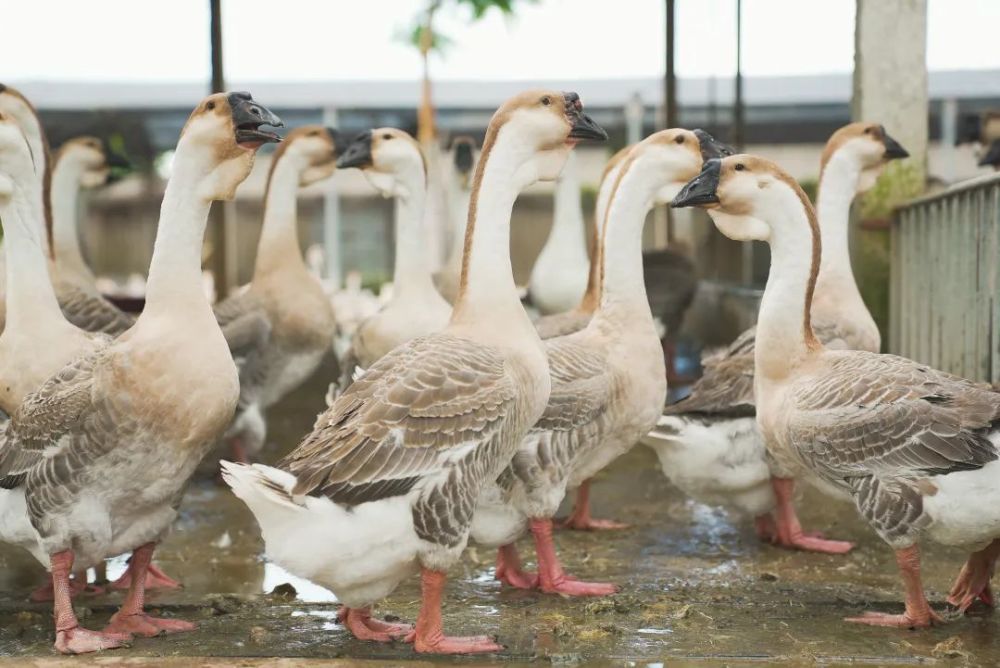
(708, 443)
(393, 163)
(397, 461)
(281, 325)
(104, 449)
(608, 380)
(915, 449)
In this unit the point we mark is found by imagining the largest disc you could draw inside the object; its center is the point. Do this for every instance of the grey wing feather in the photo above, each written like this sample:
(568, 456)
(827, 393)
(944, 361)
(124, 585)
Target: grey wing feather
(432, 399)
(235, 307)
(248, 332)
(92, 312)
(726, 386)
(561, 324)
(581, 386)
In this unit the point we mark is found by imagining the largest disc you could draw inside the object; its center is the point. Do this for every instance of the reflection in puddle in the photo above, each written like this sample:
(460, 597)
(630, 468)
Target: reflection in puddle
(308, 592)
(657, 632)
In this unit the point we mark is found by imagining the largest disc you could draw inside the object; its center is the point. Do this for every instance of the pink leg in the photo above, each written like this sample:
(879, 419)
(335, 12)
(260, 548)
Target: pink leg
(155, 579)
(551, 577)
(974, 580)
(509, 569)
(429, 634)
(77, 585)
(131, 618)
(918, 613)
(70, 637)
(239, 451)
(360, 623)
(788, 529)
(580, 518)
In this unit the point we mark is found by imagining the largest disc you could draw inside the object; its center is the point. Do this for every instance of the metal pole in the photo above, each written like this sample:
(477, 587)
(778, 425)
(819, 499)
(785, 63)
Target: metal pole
(331, 218)
(738, 134)
(670, 116)
(223, 215)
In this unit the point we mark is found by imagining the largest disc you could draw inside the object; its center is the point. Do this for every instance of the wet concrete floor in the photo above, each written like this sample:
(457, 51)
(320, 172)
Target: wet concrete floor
(696, 587)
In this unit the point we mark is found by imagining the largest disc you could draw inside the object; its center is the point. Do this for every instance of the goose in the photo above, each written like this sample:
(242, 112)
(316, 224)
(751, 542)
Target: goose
(608, 379)
(102, 451)
(80, 162)
(394, 165)
(281, 325)
(708, 444)
(915, 449)
(386, 483)
(559, 277)
(458, 181)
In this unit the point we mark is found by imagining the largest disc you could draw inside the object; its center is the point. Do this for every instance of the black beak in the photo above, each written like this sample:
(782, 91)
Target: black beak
(893, 149)
(583, 126)
(339, 141)
(248, 117)
(358, 153)
(463, 156)
(712, 148)
(700, 191)
(992, 157)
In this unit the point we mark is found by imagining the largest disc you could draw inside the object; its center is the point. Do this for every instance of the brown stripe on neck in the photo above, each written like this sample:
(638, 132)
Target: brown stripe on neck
(817, 250)
(626, 166)
(47, 173)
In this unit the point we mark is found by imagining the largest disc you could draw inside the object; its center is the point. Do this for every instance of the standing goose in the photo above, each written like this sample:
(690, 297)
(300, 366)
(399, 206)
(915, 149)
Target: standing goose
(559, 277)
(608, 380)
(386, 483)
(915, 449)
(393, 163)
(708, 443)
(280, 327)
(458, 187)
(104, 449)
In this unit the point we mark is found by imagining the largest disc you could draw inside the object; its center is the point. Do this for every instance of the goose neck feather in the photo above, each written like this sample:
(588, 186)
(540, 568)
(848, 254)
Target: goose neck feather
(278, 248)
(66, 177)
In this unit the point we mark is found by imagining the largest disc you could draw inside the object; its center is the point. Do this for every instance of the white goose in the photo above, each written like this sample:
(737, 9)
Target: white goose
(281, 326)
(559, 277)
(103, 450)
(916, 450)
(608, 380)
(393, 163)
(708, 443)
(458, 187)
(387, 481)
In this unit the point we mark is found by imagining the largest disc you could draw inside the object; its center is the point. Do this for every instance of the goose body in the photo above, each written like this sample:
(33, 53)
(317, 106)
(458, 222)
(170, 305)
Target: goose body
(395, 165)
(281, 326)
(915, 449)
(397, 461)
(608, 380)
(559, 277)
(708, 443)
(104, 448)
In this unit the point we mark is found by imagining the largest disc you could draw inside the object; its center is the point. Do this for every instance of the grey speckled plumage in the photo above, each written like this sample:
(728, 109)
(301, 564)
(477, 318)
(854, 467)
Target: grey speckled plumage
(90, 311)
(877, 425)
(433, 414)
(561, 324)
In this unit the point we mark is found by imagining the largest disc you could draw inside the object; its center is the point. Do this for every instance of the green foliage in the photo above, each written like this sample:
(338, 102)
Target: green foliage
(439, 43)
(901, 180)
(810, 187)
(873, 275)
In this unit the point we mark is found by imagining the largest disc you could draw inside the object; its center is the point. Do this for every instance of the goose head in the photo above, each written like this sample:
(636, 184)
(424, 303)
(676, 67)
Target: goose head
(17, 164)
(543, 126)
(747, 196)
(463, 160)
(868, 147)
(14, 105)
(674, 157)
(91, 159)
(390, 159)
(315, 149)
(219, 141)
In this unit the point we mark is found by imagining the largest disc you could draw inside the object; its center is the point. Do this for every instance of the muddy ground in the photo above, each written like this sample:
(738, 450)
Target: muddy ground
(696, 588)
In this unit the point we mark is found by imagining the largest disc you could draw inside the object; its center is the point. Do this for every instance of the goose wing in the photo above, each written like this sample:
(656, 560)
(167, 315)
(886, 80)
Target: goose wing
(92, 312)
(581, 385)
(561, 324)
(412, 415)
(45, 416)
(726, 386)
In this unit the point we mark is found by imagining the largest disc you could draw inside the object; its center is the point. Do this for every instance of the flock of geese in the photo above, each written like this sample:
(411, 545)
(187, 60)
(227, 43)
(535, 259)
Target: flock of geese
(457, 417)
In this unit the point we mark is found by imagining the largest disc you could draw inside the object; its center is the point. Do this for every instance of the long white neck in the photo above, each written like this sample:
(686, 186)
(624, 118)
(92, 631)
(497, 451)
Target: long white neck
(278, 247)
(174, 287)
(412, 270)
(31, 301)
(592, 297)
(458, 211)
(567, 240)
(65, 236)
(837, 189)
(782, 324)
(35, 135)
(488, 292)
(623, 286)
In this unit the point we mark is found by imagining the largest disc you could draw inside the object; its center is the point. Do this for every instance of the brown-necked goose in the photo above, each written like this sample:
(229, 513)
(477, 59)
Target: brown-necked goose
(708, 443)
(386, 483)
(105, 447)
(608, 380)
(458, 187)
(916, 450)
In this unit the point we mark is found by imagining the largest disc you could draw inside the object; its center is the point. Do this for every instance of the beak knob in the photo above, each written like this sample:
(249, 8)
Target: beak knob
(358, 153)
(582, 125)
(712, 148)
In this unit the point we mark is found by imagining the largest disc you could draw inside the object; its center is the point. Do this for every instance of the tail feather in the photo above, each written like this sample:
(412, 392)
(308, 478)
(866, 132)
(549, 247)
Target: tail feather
(255, 483)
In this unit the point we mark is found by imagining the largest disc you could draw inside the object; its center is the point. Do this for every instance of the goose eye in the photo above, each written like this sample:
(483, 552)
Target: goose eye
(679, 139)
(546, 100)
(869, 131)
(739, 167)
(210, 106)
(387, 136)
